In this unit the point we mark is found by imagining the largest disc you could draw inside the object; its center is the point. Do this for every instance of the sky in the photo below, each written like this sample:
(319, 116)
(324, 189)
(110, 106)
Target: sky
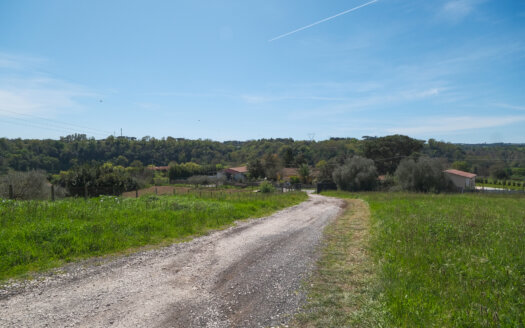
(452, 70)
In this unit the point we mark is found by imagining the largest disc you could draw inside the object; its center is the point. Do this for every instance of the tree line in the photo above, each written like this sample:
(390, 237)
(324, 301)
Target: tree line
(54, 156)
(84, 165)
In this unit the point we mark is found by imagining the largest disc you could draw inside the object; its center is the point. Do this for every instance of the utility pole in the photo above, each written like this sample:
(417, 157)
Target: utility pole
(121, 132)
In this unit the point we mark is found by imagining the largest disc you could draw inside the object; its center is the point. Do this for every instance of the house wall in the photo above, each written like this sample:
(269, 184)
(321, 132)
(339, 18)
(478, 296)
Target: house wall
(461, 182)
(239, 177)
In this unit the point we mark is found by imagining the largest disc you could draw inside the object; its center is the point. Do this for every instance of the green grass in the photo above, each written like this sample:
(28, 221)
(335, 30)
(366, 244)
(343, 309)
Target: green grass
(448, 260)
(37, 235)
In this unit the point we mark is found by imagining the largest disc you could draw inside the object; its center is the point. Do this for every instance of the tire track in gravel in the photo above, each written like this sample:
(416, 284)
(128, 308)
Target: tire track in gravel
(248, 275)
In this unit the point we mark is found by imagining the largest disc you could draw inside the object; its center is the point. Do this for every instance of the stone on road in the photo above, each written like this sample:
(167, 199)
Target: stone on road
(248, 275)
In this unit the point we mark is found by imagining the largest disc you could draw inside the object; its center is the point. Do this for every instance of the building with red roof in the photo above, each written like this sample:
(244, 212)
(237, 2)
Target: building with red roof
(462, 180)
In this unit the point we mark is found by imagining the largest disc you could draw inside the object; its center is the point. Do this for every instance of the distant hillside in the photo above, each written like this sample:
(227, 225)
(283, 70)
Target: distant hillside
(56, 155)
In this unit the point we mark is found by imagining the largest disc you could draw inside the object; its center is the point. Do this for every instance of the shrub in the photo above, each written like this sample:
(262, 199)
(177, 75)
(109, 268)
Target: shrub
(295, 179)
(266, 187)
(425, 175)
(198, 180)
(26, 185)
(358, 173)
(96, 180)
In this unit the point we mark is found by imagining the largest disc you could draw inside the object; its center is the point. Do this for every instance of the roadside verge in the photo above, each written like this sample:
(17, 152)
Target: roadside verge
(342, 291)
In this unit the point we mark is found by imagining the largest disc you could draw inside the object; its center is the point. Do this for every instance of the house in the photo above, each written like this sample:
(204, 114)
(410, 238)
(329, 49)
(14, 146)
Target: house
(462, 180)
(238, 174)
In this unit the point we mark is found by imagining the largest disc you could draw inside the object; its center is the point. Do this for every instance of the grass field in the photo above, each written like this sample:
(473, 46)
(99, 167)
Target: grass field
(446, 260)
(37, 235)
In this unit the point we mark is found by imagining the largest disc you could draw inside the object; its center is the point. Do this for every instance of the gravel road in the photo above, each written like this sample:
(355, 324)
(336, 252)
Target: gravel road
(246, 276)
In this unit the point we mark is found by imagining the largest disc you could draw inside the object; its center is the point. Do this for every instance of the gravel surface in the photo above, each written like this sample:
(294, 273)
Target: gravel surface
(246, 276)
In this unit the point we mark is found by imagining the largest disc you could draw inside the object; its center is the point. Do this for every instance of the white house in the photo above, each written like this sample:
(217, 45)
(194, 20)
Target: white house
(462, 180)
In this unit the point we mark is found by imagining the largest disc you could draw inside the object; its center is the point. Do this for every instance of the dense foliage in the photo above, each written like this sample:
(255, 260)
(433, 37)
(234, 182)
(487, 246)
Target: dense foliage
(358, 173)
(186, 170)
(94, 180)
(388, 151)
(424, 175)
(502, 161)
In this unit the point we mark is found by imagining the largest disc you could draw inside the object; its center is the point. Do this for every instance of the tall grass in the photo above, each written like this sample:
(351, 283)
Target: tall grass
(449, 260)
(36, 235)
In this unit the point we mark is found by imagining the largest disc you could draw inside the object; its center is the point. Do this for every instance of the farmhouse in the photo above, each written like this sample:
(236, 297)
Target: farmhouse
(462, 180)
(234, 173)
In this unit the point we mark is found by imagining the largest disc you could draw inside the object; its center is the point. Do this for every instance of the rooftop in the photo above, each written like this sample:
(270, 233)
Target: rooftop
(461, 173)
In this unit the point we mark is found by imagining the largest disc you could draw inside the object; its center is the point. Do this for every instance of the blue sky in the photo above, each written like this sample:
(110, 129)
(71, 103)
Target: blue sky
(452, 70)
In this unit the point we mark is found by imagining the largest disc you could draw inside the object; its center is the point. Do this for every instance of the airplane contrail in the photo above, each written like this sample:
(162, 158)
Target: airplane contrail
(322, 21)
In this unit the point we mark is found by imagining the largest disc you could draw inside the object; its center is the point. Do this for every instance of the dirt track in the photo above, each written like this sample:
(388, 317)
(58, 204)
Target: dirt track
(246, 276)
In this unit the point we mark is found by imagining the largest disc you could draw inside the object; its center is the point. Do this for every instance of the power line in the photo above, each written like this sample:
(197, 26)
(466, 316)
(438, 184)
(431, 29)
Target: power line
(55, 121)
(46, 127)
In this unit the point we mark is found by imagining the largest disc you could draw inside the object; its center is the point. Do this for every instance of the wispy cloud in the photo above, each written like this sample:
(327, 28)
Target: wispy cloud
(38, 96)
(510, 106)
(259, 99)
(322, 21)
(25, 91)
(454, 124)
(458, 9)
(370, 101)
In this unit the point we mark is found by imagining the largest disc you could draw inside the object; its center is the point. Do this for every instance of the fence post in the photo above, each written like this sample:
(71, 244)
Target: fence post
(52, 193)
(11, 193)
(85, 191)
(156, 192)
(136, 193)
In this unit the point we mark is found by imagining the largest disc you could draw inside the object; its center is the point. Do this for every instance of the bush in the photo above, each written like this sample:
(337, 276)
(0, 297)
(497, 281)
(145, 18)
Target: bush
(266, 187)
(358, 173)
(425, 175)
(97, 180)
(26, 185)
(295, 179)
(198, 180)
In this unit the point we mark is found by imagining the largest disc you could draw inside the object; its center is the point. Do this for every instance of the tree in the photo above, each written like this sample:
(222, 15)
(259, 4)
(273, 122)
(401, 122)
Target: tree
(25, 185)
(272, 165)
(461, 165)
(358, 173)
(424, 175)
(256, 169)
(499, 171)
(387, 152)
(286, 153)
(95, 180)
(325, 170)
(304, 173)
(121, 160)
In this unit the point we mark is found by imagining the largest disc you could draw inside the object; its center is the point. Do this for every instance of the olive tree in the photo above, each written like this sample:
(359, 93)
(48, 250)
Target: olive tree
(424, 175)
(357, 173)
